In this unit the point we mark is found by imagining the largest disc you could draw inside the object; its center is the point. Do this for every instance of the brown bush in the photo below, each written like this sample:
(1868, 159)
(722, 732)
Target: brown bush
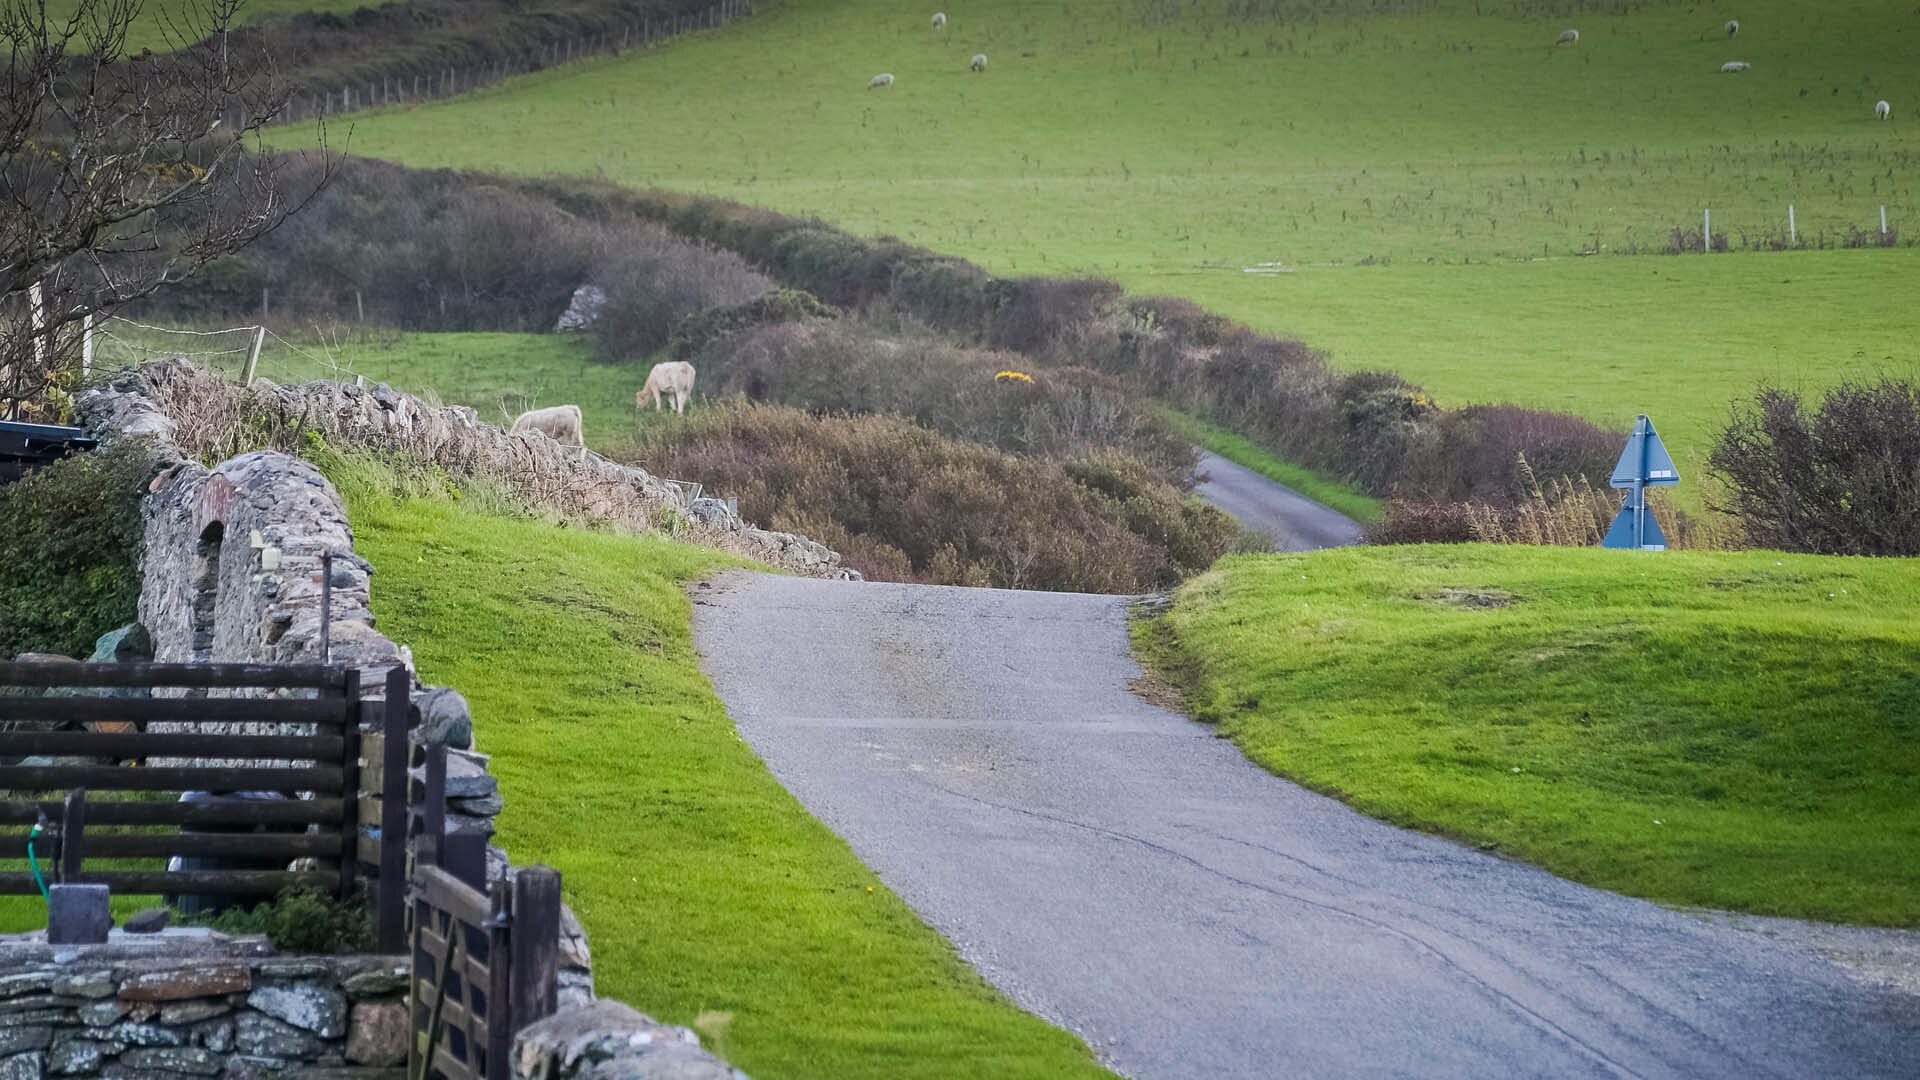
(847, 367)
(903, 503)
(1842, 481)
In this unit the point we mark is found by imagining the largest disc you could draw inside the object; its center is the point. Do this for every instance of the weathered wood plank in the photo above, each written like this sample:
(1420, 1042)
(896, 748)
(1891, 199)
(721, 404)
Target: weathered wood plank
(321, 779)
(331, 712)
(535, 944)
(349, 760)
(134, 744)
(269, 676)
(211, 882)
(99, 845)
(322, 811)
(451, 895)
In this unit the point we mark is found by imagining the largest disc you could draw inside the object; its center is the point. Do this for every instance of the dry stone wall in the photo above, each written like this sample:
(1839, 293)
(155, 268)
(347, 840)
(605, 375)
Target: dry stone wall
(192, 1003)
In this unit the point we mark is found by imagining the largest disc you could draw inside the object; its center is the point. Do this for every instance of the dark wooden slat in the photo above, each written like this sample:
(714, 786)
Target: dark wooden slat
(329, 711)
(169, 744)
(391, 848)
(349, 761)
(73, 834)
(322, 811)
(451, 895)
(285, 846)
(211, 882)
(321, 779)
(536, 944)
(266, 676)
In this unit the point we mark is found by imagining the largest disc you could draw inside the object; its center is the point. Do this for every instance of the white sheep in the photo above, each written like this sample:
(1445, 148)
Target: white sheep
(1732, 66)
(979, 63)
(1568, 37)
(880, 81)
(1733, 27)
(939, 20)
(1882, 110)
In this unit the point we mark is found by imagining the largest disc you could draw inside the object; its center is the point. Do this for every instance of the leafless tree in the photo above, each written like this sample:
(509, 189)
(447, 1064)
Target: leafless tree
(120, 171)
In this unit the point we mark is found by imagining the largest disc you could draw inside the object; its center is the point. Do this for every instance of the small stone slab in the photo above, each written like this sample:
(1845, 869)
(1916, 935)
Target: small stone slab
(310, 1008)
(204, 980)
(78, 914)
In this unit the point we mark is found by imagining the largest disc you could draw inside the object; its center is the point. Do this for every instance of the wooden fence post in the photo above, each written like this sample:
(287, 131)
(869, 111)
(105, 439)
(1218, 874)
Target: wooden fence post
(73, 829)
(259, 339)
(350, 785)
(536, 944)
(393, 811)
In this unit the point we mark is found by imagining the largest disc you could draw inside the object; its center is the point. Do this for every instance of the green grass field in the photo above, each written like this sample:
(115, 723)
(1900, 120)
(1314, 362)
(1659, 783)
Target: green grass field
(1735, 730)
(1455, 148)
(710, 895)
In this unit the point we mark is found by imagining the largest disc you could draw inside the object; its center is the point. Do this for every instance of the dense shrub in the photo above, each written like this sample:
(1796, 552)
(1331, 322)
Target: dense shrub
(703, 330)
(900, 502)
(439, 250)
(1842, 481)
(653, 280)
(847, 367)
(70, 552)
(1423, 521)
(303, 920)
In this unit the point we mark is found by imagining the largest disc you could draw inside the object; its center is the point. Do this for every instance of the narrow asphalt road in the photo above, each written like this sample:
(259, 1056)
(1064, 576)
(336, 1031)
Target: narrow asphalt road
(1295, 522)
(1119, 871)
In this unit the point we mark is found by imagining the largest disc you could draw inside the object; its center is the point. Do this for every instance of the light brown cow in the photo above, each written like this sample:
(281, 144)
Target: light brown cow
(672, 377)
(560, 422)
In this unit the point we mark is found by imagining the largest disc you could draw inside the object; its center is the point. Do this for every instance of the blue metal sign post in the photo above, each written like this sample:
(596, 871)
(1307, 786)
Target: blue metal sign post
(1643, 464)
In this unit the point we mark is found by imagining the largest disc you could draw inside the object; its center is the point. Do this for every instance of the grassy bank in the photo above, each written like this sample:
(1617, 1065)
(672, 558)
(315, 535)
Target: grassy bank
(1245, 453)
(710, 895)
(1729, 730)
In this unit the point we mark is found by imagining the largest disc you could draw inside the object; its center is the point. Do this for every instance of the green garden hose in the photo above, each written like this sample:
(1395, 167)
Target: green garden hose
(35, 863)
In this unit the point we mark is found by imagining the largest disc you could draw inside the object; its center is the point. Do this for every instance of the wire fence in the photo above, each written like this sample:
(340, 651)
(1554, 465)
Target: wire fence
(414, 86)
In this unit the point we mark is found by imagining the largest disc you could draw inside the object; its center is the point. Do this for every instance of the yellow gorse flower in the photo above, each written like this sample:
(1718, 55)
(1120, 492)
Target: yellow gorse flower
(1012, 376)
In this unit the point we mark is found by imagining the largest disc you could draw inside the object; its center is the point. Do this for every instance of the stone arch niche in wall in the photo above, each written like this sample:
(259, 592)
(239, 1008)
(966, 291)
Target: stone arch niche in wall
(210, 510)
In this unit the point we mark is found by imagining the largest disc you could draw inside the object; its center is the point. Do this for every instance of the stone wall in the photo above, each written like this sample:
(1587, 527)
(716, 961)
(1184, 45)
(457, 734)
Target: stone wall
(192, 1003)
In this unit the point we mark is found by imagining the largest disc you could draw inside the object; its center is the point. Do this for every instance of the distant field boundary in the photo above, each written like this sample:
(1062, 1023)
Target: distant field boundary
(334, 81)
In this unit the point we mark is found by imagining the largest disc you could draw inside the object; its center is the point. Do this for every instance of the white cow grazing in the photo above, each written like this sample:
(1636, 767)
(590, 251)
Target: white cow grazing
(561, 423)
(880, 81)
(979, 62)
(1882, 110)
(1568, 37)
(1732, 66)
(1733, 27)
(672, 377)
(939, 20)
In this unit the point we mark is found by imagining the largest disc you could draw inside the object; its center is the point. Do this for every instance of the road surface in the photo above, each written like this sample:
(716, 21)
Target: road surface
(1116, 869)
(1295, 522)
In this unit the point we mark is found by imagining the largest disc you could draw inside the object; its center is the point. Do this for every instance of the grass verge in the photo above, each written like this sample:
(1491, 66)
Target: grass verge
(1248, 454)
(712, 898)
(1733, 730)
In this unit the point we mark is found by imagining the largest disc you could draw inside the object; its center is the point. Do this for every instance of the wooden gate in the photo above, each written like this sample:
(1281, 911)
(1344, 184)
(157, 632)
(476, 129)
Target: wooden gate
(485, 955)
(305, 749)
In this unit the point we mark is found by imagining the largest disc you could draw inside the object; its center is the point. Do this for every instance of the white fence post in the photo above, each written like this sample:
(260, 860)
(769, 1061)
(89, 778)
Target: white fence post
(1883, 219)
(1793, 232)
(1706, 231)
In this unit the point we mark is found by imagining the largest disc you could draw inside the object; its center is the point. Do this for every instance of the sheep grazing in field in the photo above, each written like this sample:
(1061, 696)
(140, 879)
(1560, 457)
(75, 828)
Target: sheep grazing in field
(1882, 110)
(979, 62)
(1568, 37)
(561, 423)
(1733, 27)
(1732, 66)
(939, 20)
(880, 81)
(672, 377)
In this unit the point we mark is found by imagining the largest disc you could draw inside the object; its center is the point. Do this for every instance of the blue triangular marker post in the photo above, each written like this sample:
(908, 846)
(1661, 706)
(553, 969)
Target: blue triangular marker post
(1644, 463)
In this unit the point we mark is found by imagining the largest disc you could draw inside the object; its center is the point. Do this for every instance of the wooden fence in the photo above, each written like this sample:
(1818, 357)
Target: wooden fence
(416, 86)
(485, 955)
(306, 748)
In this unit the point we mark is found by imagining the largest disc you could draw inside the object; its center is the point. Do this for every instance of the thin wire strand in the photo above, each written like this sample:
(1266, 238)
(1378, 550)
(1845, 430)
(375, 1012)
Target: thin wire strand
(193, 333)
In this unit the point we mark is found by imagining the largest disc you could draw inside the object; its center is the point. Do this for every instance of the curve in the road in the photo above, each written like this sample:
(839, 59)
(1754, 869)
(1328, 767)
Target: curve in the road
(1120, 871)
(1295, 522)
